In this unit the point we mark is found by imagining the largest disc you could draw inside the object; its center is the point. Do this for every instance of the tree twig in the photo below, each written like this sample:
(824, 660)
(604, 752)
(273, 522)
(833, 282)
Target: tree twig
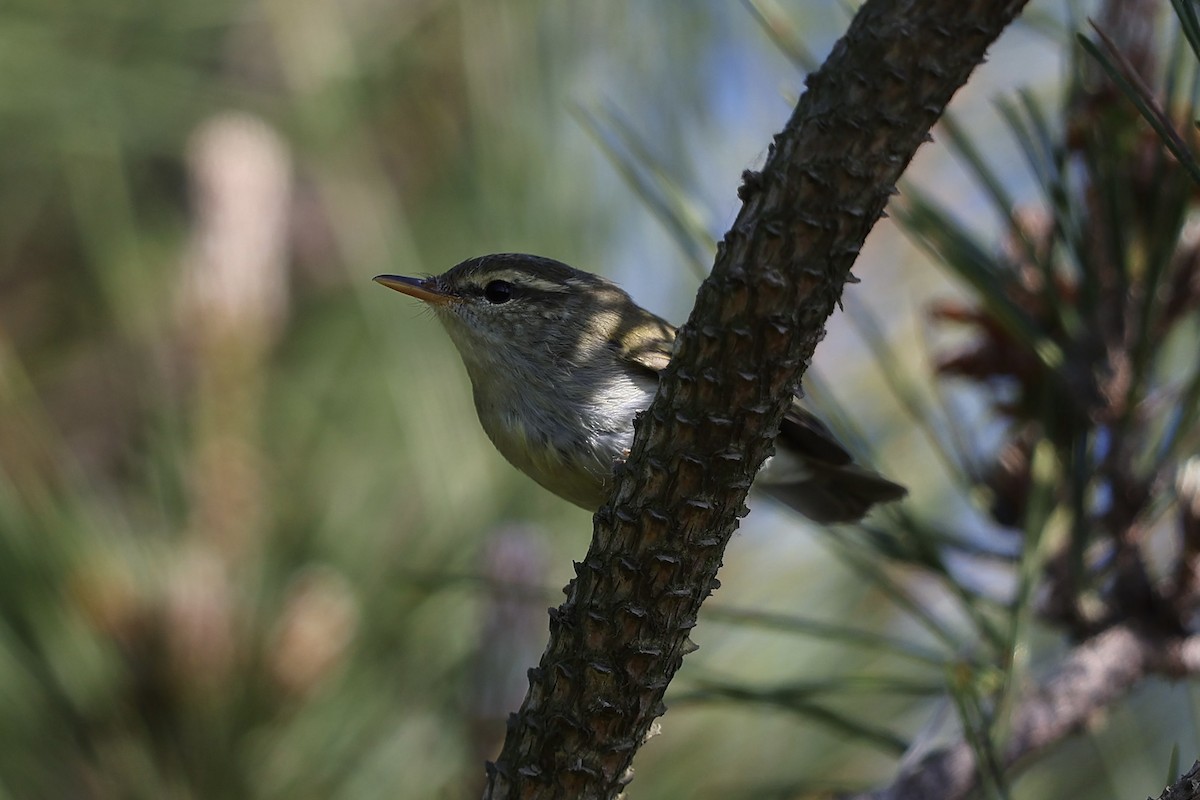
(1095, 674)
(1186, 788)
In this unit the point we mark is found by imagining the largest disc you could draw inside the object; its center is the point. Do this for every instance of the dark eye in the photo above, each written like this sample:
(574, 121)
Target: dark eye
(498, 292)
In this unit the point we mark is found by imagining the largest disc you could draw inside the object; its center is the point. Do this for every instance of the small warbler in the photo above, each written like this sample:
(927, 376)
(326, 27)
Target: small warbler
(561, 361)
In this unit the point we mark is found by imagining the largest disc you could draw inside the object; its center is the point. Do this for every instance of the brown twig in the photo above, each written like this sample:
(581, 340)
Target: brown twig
(1186, 788)
(1096, 674)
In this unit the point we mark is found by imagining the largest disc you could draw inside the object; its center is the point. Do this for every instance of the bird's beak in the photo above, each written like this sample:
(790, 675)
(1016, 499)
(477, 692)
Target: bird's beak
(421, 288)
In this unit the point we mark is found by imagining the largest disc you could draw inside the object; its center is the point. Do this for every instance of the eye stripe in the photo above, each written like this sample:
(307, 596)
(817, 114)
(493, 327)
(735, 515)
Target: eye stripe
(519, 279)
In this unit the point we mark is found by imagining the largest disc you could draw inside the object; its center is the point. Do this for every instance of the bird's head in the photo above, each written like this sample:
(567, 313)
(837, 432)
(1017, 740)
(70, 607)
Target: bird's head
(530, 313)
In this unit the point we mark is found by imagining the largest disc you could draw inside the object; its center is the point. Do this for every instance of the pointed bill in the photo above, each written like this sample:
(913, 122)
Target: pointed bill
(425, 289)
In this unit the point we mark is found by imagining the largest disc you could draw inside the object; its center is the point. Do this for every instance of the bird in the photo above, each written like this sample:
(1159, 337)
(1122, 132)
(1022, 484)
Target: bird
(561, 361)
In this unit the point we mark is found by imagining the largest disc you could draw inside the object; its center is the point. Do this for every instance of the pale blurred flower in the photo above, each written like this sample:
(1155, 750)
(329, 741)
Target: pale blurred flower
(199, 620)
(232, 303)
(318, 623)
(104, 591)
(235, 270)
(513, 630)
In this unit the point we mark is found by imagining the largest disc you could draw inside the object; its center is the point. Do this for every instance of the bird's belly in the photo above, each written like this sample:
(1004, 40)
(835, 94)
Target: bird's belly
(576, 469)
(562, 435)
(570, 445)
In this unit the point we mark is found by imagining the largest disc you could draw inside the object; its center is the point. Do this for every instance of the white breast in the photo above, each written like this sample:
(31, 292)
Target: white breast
(565, 438)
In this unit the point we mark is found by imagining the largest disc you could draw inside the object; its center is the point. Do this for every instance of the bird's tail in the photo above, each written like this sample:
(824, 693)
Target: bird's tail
(815, 475)
(832, 494)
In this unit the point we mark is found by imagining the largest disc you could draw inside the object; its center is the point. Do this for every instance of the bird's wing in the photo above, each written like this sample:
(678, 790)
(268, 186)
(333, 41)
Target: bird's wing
(651, 348)
(650, 345)
(810, 470)
(809, 436)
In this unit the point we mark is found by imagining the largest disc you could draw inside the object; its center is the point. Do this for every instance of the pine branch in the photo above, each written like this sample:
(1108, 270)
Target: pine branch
(1186, 788)
(623, 631)
(1094, 676)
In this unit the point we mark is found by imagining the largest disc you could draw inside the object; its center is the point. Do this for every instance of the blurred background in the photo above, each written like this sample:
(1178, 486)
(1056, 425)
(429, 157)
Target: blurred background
(253, 542)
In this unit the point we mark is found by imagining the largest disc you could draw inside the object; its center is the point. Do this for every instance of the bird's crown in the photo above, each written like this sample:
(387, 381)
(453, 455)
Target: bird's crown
(503, 277)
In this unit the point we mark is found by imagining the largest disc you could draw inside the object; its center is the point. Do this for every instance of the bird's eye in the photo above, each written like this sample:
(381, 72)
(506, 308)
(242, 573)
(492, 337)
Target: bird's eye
(498, 292)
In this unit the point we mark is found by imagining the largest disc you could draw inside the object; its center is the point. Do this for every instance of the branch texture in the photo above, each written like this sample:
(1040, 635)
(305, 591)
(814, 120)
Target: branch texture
(623, 631)
(1186, 788)
(1094, 676)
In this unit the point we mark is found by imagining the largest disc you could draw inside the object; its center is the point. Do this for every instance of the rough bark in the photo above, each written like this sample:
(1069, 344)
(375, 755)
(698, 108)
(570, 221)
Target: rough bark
(1186, 788)
(623, 631)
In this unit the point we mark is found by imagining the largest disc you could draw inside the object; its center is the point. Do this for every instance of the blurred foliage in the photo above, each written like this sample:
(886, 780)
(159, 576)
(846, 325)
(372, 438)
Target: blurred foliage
(1080, 333)
(252, 543)
(238, 497)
